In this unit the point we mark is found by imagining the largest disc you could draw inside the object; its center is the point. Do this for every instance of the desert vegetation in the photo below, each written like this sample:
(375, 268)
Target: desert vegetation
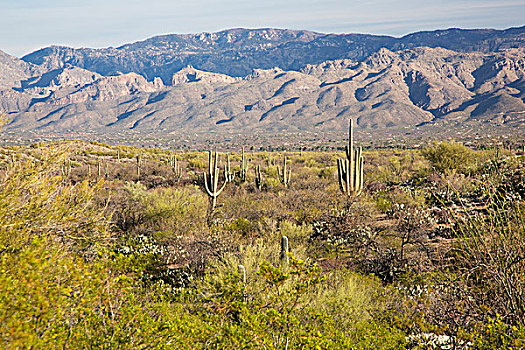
(123, 247)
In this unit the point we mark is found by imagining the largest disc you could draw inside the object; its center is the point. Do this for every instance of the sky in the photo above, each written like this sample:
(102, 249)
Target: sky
(28, 25)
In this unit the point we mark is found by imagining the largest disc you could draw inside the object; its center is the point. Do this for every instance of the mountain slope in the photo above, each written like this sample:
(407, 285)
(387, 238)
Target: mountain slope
(236, 52)
(386, 89)
(14, 70)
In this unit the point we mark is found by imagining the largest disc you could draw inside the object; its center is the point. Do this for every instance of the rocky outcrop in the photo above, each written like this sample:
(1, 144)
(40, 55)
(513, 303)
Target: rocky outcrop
(192, 75)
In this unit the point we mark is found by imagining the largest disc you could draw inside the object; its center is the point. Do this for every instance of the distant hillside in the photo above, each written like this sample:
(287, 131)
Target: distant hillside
(236, 52)
(387, 89)
(269, 80)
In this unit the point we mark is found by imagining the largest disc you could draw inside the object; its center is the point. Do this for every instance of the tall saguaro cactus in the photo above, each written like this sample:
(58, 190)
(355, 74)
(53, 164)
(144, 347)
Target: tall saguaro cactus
(244, 167)
(284, 252)
(284, 175)
(258, 178)
(350, 170)
(66, 168)
(177, 170)
(212, 185)
(139, 164)
(230, 175)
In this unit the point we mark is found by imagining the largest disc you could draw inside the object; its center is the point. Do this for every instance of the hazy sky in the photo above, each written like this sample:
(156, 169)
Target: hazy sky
(27, 25)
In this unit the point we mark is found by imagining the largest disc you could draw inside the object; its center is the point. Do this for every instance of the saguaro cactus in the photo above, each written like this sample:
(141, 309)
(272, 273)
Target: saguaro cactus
(350, 170)
(66, 168)
(244, 166)
(212, 185)
(177, 170)
(139, 164)
(284, 252)
(230, 175)
(284, 175)
(258, 177)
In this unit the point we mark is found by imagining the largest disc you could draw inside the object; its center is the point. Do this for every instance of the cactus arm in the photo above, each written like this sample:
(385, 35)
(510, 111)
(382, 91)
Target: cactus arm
(218, 192)
(220, 189)
(341, 173)
(210, 193)
(284, 171)
(214, 171)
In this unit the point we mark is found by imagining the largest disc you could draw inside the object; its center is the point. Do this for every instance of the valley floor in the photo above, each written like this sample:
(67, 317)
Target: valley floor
(118, 247)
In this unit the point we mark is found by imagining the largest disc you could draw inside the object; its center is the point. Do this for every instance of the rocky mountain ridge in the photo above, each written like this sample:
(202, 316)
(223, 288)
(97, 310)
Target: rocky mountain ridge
(384, 89)
(236, 52)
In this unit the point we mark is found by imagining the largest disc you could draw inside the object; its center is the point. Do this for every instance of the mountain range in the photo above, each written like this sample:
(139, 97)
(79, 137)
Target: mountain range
(268, 80)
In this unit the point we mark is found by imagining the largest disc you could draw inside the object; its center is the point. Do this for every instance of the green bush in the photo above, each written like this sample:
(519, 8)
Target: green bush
(451, 156)
(51, 299)
(274, 308)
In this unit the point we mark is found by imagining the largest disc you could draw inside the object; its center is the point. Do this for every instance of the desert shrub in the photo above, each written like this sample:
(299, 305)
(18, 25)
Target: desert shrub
(296, 233)
(490, 257)
(197, 161)
(344, 236)
(496, 334)
(389, 198)
(60, 286)
(273, 182)
(450, 156)
(253, 206)
(51, 299)
(35, 202)
(167, 228)
(327, 173)
(476, 291)
(243, 226)
(279, 312)
(392, 167)
(507, 178)
(163, 212)
(389, 248)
